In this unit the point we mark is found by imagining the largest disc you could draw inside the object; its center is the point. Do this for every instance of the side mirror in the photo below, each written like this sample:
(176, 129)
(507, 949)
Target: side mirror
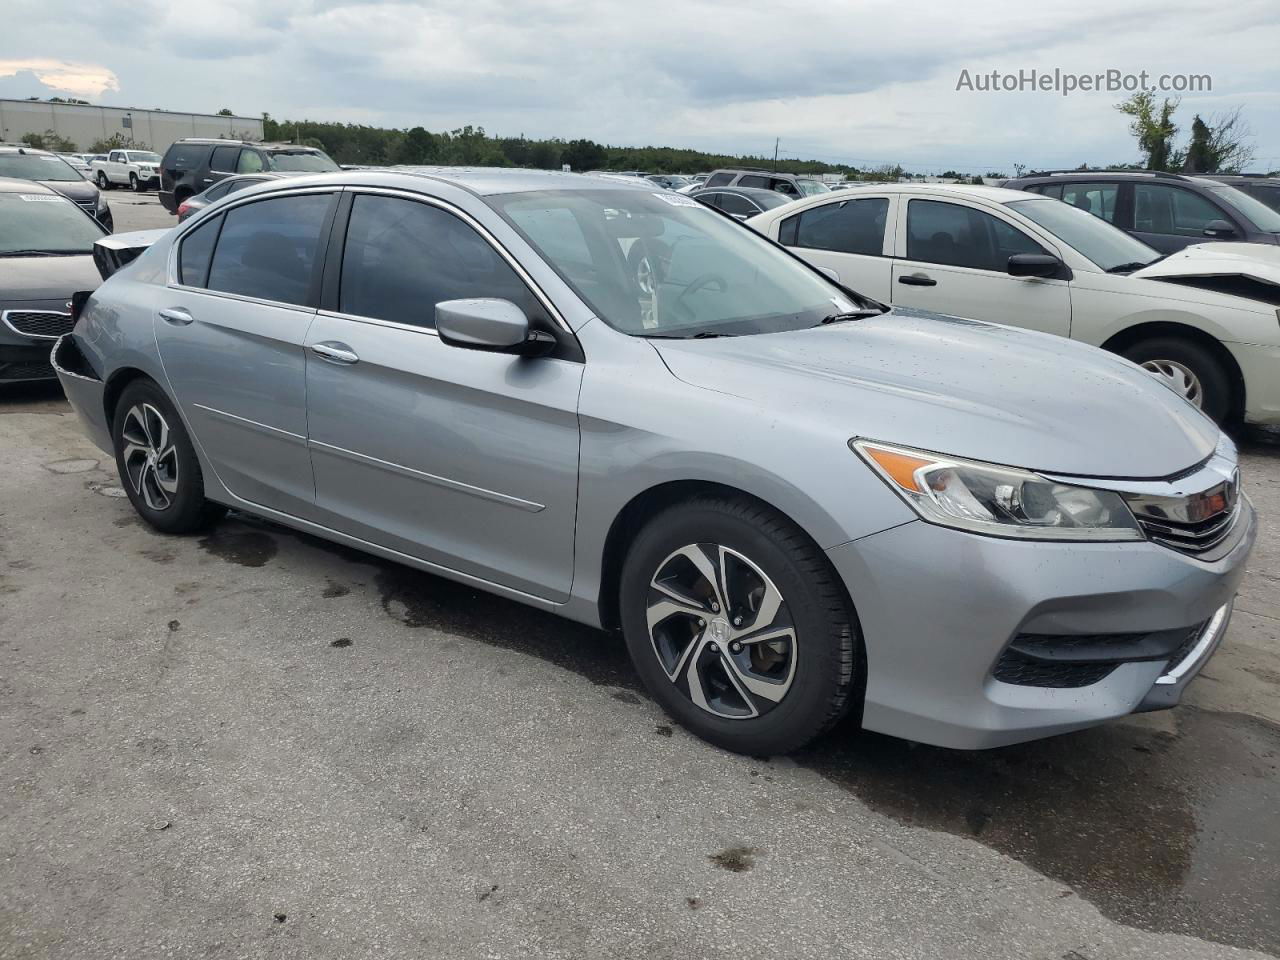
(1219, 230)
(1035, 265)
(498, 326)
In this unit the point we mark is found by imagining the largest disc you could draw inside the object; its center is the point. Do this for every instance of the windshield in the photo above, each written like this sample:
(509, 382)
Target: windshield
(308, 161)
(142, 156)
(664, 265)
(1262, 215)
(44, 223)
(1107, 246)
(811, 188)
(36, 166)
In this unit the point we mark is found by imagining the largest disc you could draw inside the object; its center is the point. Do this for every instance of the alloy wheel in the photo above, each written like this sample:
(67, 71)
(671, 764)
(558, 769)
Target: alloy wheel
(721, 631)
(1180, 378)
(150, 457)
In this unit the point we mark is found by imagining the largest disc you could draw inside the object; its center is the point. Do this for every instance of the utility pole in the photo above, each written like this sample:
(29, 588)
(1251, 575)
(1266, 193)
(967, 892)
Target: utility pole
(776, 141)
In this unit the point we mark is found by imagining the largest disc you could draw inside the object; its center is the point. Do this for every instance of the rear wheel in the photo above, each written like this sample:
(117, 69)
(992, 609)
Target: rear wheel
(737, 625)
(103, 182)
(1188, 369)
(158, 466)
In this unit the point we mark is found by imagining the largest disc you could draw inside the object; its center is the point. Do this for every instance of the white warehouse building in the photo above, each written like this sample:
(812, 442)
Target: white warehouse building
(84, 125)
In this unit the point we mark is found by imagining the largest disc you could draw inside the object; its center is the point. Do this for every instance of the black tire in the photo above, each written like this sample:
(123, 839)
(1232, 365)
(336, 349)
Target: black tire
(135, 184)
(1217, 397)
(826, 640)
(103, 182)
(187, 509)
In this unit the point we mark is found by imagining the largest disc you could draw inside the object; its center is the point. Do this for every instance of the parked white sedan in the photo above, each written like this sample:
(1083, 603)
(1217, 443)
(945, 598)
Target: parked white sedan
(1206, 320)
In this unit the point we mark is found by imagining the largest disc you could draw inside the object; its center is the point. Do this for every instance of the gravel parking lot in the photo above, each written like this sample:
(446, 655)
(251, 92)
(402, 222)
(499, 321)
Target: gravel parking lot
(257, 744)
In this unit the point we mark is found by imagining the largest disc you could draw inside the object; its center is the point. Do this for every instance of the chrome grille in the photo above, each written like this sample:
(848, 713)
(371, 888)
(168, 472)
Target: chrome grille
(41, 324)
(1192, 523)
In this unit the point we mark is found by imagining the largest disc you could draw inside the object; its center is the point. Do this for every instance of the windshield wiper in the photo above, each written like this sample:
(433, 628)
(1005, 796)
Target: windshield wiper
(704, 335)
(41, 253)
(1135, 265)
(851, 315)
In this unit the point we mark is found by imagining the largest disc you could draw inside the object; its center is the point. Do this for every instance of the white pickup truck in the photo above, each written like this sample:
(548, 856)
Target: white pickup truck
(137, 169)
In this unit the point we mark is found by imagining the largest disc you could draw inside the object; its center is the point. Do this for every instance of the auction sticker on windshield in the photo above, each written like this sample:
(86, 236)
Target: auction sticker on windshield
(676, 200)
(41, 198)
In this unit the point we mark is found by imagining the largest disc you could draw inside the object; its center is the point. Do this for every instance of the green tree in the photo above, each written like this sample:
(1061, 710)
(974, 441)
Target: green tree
(225, 112)
(584, 155)
(1198, 159)
(114, 142)
(1229, 150)
(1152, 124)
(49, 140)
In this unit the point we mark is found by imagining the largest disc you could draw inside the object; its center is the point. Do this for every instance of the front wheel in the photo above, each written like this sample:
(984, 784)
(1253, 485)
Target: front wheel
(738, 626)
(103, 182)
(1189, 370)
(158, 466)
(134, 183)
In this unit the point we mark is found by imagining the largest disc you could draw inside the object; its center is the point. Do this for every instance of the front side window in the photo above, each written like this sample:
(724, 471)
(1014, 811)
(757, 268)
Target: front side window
(224, 159)
(117, 156)
(784, 187)
(195, 253)
(44, 223)
(250, 162)
(738, 206)
(1262, 214)
(1160, 208)
(953, 235)
(35, 166)
(1098, 199)
(402, 257)
(811, 188)
(268, 249)
(663, 265)
(750, 180)
(851, 226)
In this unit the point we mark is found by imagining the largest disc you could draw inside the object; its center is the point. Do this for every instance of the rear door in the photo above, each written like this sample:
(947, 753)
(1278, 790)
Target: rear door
(462, 458)
(1170, 217)
(231, 328)
(853, 236)
(954, 259)
(222, 164)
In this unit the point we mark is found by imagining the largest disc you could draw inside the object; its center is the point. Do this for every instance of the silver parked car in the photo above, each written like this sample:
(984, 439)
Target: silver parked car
(793, 502)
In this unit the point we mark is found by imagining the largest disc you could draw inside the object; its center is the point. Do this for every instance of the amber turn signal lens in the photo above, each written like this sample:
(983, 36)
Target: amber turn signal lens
(900, 467)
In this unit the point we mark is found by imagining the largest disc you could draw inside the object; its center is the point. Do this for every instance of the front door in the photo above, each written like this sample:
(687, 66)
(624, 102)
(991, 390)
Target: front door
(954, 260)
(459, 457)
(231, 334)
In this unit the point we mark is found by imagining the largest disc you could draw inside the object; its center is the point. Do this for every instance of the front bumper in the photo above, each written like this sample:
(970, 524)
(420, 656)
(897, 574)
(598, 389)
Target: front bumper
(937, 609)
(1260, 366)
(84, 390)
(23, 364)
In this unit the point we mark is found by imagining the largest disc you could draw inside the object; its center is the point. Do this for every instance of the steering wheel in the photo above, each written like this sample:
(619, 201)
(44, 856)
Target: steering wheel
(698, 282)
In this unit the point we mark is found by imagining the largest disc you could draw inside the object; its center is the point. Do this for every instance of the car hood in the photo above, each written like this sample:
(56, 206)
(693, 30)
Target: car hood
(963, 388)
(1257, 261)
(82, 191)
(46, 278)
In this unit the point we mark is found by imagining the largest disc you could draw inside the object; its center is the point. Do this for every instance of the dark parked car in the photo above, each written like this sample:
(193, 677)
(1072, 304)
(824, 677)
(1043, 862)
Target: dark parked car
(192, 205)
(786, 183)
(45, 258)
(28, 163)
(1167, 211)
(741, 203)
(191, 166)
(1266, 189)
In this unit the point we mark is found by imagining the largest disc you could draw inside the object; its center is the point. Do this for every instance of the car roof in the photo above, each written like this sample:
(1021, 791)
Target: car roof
(30, 150)
(744, 191)
(486, 181)
(760, 171)
(13, 185)
(223, 142)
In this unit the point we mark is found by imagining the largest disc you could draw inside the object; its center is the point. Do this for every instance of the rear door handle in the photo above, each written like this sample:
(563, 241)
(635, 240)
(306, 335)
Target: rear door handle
(176, 316)
(918, 280)
(334, 352)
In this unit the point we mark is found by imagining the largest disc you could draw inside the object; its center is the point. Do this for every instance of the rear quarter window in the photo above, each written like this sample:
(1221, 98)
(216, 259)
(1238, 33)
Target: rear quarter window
(185, 155)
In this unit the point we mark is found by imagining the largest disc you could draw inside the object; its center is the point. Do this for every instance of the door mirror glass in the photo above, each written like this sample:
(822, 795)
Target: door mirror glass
(1219, 229)
(1034, 265)
(488, 324)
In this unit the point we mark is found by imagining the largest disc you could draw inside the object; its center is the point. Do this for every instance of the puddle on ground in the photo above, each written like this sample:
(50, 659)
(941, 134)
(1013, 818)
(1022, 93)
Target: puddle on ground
(235, 543)
(1170, 832)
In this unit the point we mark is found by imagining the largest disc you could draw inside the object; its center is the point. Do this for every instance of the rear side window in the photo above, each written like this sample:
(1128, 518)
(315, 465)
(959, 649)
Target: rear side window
(737, 206)
(1048, 189)
(719, 179)
(196, 252)
(947, 233)
(268, 249)
(1098, 199)
(1159, 208)
(853, 226)
(709, 197)
(184, 156)
(224, 159)
(401, 258)
(750, 180)
(235, 185)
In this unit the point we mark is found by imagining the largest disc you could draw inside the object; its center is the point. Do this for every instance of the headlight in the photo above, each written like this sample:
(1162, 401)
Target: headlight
(998, 501)
(102, 202)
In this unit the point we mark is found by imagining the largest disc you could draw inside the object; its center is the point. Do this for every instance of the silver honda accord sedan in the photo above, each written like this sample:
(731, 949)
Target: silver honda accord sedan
(614, 403)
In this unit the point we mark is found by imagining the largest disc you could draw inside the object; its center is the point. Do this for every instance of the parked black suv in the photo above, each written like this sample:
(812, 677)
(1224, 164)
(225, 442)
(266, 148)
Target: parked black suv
(190, 166)
(785, 183)
(1167, 211)
(1265, 188)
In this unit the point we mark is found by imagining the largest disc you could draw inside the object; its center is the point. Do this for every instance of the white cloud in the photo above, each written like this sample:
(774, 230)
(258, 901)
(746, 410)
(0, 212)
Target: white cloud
(81, 80)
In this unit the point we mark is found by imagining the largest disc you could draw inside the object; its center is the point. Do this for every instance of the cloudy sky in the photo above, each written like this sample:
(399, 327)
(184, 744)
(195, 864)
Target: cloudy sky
(858, 82)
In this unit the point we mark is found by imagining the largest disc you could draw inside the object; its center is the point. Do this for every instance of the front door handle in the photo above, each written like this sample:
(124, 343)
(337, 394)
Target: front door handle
(918, 280)
(176, 316)
(335, 352)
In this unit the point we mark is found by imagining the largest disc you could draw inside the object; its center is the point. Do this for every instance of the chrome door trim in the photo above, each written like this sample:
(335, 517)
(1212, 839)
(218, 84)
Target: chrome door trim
(456, 485)
(252, 424)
